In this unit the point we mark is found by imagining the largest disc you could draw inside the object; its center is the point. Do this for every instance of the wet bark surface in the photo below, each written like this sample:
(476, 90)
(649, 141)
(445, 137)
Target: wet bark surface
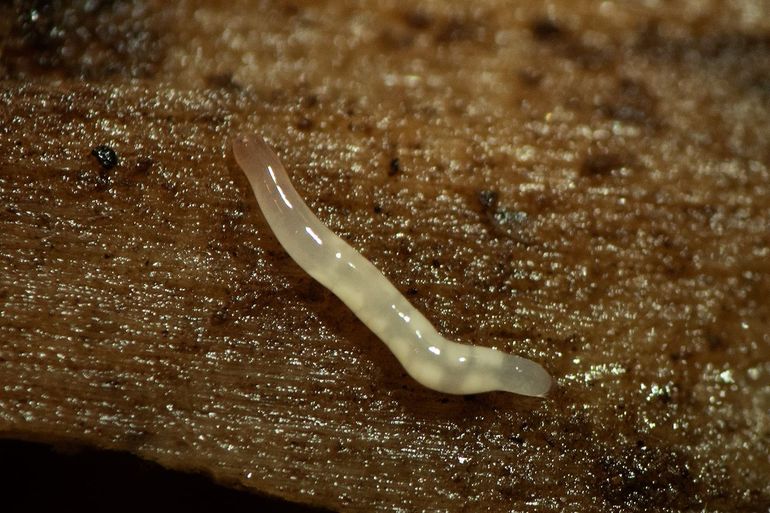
(586, 186)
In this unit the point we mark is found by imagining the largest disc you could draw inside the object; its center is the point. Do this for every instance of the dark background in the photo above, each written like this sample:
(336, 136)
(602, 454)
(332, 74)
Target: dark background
(42, 477)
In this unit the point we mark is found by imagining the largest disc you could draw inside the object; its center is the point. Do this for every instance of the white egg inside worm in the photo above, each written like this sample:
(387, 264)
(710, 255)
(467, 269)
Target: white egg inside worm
(428, 357)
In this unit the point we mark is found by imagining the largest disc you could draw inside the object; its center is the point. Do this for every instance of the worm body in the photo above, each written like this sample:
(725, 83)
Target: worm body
(428, 357)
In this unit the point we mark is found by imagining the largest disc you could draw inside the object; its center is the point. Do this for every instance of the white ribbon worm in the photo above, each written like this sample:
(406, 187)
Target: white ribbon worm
(428, 357)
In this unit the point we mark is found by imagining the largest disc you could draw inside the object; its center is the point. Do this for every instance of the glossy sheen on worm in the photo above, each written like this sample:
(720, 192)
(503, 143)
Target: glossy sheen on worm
(428, 357)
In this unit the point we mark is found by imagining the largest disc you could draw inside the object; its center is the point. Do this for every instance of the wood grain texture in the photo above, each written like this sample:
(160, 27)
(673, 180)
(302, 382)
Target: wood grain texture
(585, 185)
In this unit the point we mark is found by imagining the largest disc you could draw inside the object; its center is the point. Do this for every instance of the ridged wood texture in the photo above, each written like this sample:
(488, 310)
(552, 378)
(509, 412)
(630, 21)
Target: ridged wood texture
(583, 183)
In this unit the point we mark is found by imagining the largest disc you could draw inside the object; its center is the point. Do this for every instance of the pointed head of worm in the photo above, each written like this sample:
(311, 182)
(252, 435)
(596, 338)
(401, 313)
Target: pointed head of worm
(428, 357)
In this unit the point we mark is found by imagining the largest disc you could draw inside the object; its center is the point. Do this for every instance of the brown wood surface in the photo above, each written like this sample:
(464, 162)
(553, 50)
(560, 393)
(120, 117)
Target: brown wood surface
(584, 183)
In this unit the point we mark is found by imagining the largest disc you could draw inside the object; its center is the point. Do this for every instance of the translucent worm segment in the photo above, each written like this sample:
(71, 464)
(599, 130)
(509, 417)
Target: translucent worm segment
(428, 357)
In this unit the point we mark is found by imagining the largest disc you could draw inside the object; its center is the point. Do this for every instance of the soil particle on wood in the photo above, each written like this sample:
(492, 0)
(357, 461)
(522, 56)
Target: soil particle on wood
(106, 156)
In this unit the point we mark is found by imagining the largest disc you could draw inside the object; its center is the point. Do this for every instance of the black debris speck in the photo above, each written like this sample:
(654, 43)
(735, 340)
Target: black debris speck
(545, 29)
(106, 156)
(395, 167)
(143, 164)
(488, 199)
(220, 316)
(304, 123)
(417, 20)
(601, 164)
